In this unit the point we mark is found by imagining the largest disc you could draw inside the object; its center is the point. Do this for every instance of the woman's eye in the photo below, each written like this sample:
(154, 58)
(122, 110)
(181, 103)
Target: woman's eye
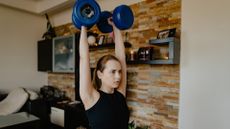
(113, 71)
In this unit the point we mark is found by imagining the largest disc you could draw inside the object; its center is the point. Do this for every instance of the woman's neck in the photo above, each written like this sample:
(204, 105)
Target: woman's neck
(107, 90)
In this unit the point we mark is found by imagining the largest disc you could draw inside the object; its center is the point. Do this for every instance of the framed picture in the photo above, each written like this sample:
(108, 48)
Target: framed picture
(64, 54)
(166, 33)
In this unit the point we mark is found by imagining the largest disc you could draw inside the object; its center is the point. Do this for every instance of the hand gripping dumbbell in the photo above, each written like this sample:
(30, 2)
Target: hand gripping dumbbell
(122, 17)
(88, 12)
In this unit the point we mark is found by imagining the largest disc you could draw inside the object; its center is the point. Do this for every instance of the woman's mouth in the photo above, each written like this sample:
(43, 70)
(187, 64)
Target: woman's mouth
(117, 82)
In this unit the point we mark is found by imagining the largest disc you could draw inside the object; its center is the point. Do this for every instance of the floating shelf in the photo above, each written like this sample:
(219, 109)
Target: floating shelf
(147, 28)
(163, 41)
(169, 61)
(108, 45)
(173, 45)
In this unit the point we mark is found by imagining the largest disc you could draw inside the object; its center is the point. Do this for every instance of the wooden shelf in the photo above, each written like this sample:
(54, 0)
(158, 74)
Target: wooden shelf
(163, 41)
(169, 61)
(140, 29)
(173, 46)
(108, 45)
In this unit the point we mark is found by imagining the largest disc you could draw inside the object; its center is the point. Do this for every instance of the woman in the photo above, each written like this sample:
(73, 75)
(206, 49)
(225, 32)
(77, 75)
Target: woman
(104, 98)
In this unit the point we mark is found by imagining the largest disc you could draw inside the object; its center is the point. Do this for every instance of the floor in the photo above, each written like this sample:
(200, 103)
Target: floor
(58, 127)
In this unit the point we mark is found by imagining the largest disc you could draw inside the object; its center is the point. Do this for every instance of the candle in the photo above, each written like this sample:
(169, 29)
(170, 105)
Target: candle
(132, 55)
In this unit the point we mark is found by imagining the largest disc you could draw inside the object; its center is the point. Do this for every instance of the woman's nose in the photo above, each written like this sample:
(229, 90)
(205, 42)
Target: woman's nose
(117, 75)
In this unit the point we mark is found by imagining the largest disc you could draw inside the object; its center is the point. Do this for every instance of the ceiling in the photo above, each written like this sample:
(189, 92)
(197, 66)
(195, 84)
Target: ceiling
(38, 7)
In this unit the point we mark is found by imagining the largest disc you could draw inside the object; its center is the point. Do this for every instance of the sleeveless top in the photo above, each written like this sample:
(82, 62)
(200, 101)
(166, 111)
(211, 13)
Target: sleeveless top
(109, 112)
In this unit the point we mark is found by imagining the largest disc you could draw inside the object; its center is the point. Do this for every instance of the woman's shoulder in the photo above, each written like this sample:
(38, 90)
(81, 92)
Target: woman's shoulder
(97, 101)
(118, 93)
(103, 98)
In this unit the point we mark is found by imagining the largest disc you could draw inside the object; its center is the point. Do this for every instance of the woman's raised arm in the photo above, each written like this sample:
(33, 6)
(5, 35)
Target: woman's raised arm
(88, 93)
(120, 54)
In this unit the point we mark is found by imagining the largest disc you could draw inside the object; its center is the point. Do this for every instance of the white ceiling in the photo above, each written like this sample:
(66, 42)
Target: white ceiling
(39, 7)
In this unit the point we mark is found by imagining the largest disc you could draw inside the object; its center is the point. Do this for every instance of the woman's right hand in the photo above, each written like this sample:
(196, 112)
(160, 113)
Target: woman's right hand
(110, 22)
(83, 28)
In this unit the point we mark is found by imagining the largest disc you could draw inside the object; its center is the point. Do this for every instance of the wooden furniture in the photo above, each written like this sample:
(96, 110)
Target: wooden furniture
(20, 120)
(69, 116)
(171, 47)
(44, 59)
(39, 108)
(108, 46)
(64, 54)
(58, 55)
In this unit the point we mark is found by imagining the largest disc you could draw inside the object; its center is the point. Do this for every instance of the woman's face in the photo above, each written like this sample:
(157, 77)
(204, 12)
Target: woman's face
(111, 76)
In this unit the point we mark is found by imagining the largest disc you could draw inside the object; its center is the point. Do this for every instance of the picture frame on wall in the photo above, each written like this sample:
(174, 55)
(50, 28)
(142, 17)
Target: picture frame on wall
(64, 54)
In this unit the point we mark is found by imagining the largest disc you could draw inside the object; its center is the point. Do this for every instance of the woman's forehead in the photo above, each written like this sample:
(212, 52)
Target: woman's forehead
(113, 64)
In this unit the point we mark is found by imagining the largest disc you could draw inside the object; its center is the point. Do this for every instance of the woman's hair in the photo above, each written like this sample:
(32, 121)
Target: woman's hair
(101, 66)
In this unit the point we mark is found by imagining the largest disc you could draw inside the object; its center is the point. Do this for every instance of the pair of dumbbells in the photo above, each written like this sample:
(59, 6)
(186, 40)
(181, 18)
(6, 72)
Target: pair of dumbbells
(88, 13)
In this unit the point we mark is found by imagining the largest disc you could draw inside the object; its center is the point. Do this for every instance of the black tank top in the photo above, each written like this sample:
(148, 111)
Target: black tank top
(109, 112)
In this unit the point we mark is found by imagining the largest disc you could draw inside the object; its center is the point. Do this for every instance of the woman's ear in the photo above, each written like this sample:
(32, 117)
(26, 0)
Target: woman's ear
(99, 74)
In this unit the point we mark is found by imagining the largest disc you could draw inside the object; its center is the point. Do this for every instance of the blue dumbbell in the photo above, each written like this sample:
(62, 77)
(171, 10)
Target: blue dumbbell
(85, 13)
(103, 24)
(122, 17)
(88, 12)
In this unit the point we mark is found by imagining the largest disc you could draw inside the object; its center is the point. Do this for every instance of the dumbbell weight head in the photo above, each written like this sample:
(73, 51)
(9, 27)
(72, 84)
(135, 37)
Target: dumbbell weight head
(123, 17)
(78, 24)
(103, 24)
(85, 13)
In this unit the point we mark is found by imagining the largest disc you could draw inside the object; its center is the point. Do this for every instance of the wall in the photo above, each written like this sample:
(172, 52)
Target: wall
(19, 33)
(205, 71)
(153, 90)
